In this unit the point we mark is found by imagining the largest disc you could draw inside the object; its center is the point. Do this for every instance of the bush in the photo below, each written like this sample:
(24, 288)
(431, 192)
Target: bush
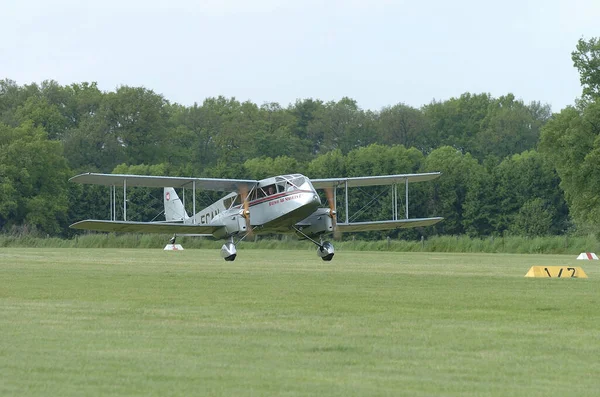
(508, 244)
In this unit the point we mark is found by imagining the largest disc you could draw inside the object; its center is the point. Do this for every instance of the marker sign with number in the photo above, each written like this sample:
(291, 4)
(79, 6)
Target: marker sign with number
(556, 272)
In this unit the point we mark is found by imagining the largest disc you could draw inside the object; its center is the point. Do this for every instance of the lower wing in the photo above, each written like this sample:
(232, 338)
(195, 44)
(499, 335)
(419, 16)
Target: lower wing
(386, 225)
(145, 227)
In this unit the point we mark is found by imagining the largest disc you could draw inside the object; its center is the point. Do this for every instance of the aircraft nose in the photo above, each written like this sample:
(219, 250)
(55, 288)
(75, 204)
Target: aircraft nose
(316, 199)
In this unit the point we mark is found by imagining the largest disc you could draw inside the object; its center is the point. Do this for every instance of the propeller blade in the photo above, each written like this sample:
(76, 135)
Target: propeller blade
(332, 213)
(243, 192)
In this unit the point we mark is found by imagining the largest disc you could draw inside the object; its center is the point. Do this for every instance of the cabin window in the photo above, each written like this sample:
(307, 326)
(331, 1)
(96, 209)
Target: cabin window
(299, 181)
(270, 190)
(232, 201)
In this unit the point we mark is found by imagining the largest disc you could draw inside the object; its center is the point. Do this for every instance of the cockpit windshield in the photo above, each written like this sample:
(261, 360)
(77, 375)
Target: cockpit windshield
(281, 184)
(298, 181)
(287, 183)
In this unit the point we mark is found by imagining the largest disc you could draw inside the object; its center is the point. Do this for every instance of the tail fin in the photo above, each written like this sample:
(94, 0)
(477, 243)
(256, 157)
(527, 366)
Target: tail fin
(174, 209)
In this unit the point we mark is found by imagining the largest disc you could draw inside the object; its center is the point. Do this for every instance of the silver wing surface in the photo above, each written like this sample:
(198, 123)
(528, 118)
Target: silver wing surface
(215, 184)
(386, 225)
(374, 180)
(145, 227)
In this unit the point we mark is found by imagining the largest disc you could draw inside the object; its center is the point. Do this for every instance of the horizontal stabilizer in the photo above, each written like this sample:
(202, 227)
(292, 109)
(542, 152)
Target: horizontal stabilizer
(145, 227)
(386, 225)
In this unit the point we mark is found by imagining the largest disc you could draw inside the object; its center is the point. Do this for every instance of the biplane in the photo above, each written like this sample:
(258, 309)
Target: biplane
(280, 204)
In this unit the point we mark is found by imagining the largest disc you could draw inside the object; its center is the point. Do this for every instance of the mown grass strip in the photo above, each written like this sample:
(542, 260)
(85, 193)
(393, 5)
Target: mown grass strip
(282, 322)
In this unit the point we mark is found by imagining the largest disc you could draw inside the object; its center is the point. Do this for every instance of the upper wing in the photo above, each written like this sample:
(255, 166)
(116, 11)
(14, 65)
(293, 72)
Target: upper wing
(144, 227)
(220, 185)
(374, 180)
(386, 225)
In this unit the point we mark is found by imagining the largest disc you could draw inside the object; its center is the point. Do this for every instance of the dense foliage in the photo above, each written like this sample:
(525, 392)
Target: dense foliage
(495, 182)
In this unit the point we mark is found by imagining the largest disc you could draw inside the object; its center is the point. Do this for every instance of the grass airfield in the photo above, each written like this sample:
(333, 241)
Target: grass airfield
(144, 322)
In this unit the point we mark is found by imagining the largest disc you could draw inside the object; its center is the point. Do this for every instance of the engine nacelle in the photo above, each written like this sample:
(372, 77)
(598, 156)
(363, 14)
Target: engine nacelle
(317, 223)
(234, 223)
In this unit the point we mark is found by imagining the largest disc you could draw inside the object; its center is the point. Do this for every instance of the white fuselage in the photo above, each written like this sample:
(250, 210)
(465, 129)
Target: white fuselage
(279, 212)
(275, 204)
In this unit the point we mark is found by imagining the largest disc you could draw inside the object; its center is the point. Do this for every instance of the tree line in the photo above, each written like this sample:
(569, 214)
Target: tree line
(509, 167)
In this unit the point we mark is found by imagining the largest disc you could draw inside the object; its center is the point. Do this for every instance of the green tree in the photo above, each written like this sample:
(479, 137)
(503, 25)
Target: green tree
(191, 138)
(509, 127)
(304, 112)
(570, 142)
(12, 96)
(527, 181)
(403, 125)
(457, 121)
(447, 195)
(344, 125)
(481, 209)
(138, 119)
(534, 218)
(93, 145)
(272, 134)
(328, 165)
(43, 114)
(33, 174)
(264, 167)
(586, 58)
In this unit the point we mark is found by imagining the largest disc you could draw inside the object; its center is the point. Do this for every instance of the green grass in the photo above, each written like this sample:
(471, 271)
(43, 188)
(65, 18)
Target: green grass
(143, 322)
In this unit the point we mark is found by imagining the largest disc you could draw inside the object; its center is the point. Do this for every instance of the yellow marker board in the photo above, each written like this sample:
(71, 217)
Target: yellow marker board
(556, 272)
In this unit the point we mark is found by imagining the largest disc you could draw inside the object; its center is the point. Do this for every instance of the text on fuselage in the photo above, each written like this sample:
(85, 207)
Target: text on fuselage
(284, 199)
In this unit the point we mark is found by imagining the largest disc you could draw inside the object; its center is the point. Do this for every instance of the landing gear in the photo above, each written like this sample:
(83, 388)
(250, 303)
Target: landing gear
(228, 251)
(325, 250)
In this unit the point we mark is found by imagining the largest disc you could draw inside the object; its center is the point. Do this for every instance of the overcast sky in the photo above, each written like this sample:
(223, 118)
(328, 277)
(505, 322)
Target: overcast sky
(378, 52)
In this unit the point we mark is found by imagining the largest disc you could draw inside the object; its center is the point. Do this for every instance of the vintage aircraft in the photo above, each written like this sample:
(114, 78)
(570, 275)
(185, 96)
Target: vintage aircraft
(279, 204)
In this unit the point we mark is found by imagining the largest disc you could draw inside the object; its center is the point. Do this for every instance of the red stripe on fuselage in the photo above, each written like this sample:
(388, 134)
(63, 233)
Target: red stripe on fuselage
(276, 197)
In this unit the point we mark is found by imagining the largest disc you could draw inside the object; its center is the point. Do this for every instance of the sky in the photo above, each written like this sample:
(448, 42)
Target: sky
(378, 52)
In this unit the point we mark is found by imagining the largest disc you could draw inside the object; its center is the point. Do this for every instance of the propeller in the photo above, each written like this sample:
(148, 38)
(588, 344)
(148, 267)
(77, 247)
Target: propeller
(332, 213)
(243, 192)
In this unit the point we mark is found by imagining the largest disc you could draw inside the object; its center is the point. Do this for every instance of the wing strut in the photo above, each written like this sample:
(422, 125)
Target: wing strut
(113, 201)
(347, 218)
(194, 202)
(113, 197)
(394, 193)
(406, 202)
(395, 201)
(125, 200)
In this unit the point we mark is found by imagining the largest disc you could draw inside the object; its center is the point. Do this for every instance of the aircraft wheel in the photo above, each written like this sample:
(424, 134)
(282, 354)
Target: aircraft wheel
(327, 258)
(228, 251)
(326, 251)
